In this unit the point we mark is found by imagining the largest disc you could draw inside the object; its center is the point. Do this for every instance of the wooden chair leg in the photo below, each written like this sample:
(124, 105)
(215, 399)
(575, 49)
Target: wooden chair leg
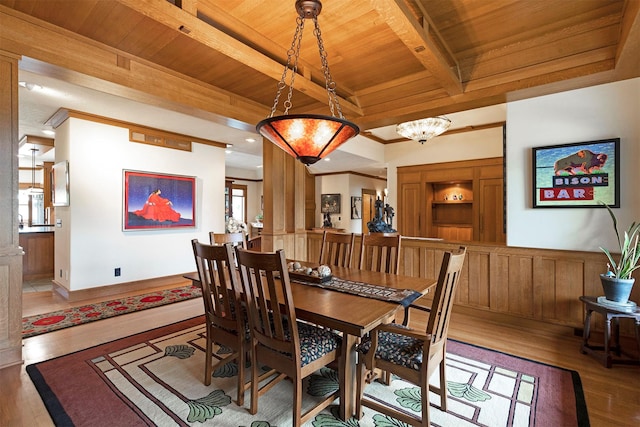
(297, 398)
(386, 377)
(425, 403)
(443, 386)
(253, 408)
(241, 370)
(208, 355)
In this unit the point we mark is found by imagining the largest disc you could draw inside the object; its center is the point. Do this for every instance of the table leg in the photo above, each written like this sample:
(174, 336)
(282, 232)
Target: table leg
(638, 336)
(607, 337)
(348, 376)
(587, 330)
(616, 336)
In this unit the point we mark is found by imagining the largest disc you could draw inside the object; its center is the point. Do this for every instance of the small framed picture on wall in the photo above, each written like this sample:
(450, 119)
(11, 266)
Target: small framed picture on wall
(356, 207)
(330, 203)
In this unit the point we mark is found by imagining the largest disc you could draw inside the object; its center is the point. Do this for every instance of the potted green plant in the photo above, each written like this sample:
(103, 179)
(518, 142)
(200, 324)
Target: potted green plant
(618, 281)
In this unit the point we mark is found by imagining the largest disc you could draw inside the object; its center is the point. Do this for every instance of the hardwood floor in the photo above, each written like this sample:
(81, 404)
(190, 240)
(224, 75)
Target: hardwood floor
(612, 395)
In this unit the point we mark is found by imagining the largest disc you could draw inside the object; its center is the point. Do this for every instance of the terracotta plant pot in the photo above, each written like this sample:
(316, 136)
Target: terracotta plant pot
(615, 289)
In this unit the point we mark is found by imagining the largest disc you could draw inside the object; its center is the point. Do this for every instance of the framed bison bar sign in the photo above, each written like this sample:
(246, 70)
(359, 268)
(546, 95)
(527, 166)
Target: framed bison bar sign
(577, 175)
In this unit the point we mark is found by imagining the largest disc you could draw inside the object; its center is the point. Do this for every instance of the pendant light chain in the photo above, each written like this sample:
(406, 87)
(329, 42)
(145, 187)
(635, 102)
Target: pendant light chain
(293, 52)
(329, 83)
(307, 137)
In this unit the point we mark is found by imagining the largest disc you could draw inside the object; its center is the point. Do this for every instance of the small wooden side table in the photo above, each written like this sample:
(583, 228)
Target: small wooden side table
(610, 313)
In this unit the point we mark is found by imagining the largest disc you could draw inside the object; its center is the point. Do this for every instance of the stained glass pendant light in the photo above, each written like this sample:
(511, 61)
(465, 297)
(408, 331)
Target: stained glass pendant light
(423, 129)
(307, 137)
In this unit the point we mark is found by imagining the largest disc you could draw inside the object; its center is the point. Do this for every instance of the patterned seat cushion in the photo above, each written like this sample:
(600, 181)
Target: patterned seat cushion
(396, 348)
(314, 342)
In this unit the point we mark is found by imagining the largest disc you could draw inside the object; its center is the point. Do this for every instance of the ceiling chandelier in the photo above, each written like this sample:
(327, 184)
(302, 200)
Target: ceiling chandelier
(423, 129)
(33, 189)
(307, 137)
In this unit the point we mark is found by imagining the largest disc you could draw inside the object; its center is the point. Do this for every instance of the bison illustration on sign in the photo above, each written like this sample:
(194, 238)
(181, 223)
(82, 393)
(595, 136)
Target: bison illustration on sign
(585, 160)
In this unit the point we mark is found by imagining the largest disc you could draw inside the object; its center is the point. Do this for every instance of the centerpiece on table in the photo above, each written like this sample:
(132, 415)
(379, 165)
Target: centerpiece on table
(617, 282)
(318, 274)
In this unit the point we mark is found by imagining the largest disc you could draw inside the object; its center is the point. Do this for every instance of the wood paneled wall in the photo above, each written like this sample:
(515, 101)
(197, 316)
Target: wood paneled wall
(537, 284)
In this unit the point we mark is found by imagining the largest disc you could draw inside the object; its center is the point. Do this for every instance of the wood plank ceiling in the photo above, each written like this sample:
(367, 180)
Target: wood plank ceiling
(392, 60)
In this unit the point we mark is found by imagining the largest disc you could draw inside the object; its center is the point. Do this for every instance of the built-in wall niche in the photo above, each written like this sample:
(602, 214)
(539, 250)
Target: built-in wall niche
(458, 201)
(451, 192)
(452, 204)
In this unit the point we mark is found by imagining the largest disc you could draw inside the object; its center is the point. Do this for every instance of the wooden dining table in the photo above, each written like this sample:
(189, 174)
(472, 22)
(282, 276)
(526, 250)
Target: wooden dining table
(352, 315)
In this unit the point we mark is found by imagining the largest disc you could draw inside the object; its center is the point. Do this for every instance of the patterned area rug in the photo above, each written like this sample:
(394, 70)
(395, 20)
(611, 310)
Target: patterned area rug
(155, 378)
(53, 321)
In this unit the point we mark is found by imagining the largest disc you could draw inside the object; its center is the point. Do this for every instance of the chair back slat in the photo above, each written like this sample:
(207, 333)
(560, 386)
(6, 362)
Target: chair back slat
(450, 271)
(235, 239)
(265, 280)
(337, 249)
(379, 252)
(221, 289)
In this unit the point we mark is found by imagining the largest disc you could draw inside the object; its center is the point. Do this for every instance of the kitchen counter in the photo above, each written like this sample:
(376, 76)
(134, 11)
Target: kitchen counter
(38, 245)
(36, 229)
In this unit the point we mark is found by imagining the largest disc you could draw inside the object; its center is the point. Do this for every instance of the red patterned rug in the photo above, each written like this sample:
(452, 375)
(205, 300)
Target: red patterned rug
(155, 378)
(53, 321)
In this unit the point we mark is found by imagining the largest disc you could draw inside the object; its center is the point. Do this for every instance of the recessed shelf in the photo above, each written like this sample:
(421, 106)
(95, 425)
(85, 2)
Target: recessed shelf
(452, 202)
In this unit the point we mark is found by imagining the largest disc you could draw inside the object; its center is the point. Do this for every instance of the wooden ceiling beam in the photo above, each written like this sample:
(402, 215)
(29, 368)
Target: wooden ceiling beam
(486, 92)
(190, 6)
(63, 55)
(628, 53)
(423, 42)
(198, 30)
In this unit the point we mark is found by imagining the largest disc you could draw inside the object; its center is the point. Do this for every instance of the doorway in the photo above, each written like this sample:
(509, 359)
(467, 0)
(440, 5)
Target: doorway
(368, 208)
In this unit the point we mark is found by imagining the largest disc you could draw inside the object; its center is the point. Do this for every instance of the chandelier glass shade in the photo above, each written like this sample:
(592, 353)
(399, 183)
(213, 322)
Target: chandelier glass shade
(307, 137)
(423, 129)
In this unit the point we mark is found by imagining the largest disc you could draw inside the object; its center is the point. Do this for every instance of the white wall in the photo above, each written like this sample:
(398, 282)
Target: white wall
(600, 112)
(347, 185)
(253, 181)
(334, 184)
(91, 242)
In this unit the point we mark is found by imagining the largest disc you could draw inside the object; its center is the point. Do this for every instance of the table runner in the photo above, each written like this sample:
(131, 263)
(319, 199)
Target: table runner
(403, 297)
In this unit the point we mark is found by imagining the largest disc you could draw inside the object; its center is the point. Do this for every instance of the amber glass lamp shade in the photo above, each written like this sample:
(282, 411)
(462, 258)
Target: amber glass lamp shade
(307, 137)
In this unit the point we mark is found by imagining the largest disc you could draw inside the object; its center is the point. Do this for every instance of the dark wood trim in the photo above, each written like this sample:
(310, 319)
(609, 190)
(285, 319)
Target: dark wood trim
(231, 178)
(373, 137)
(352, 173)
(64, 113)
(120, 288)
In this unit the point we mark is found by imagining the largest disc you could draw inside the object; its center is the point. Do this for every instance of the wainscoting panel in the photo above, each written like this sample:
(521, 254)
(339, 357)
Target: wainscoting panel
(536, 284)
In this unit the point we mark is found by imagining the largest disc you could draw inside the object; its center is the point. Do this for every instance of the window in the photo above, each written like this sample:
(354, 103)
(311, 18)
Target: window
(239, 202)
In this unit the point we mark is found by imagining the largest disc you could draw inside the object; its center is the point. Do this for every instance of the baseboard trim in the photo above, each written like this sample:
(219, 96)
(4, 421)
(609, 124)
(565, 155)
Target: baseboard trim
(120, 288)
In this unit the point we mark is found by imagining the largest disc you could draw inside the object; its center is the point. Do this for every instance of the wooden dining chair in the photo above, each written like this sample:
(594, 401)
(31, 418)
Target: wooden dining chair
(413, 355)
(294, 349)
(421, 304)
(234, 238)
(337, 249)
(226, 323)
(380, 252)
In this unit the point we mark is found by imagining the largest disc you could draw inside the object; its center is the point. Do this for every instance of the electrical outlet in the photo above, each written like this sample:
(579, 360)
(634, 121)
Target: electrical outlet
(116, 272)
